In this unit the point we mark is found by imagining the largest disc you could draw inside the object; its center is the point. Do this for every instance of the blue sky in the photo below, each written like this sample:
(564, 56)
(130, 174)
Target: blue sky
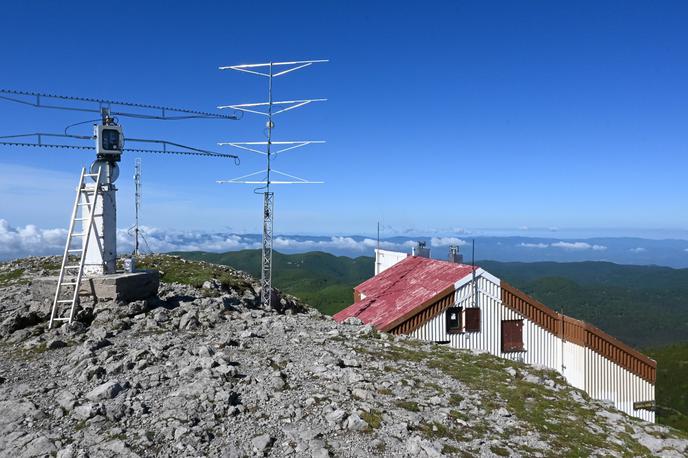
(441, 115)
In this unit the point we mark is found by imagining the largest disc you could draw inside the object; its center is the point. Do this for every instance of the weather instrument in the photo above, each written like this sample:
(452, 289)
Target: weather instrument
(95, 205)
(266, 178)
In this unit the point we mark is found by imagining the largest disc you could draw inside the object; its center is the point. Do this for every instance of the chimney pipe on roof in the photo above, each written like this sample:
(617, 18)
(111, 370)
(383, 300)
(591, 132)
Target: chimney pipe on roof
(420, 250)
(454, 255)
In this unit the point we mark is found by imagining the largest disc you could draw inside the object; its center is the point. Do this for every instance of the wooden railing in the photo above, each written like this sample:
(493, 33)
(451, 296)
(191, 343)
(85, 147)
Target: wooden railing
(579, 332)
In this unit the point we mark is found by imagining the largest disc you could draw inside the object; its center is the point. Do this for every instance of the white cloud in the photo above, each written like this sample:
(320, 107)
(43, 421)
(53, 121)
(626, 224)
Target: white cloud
(533, 245)
(446, 241)
(338, 243)
(638, 250)
(578, 246)
(575, 246)
(159, 240)
(20, 241)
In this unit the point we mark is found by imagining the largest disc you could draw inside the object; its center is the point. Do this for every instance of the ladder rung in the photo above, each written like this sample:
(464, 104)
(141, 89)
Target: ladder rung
(90, 174)
(60, 319)
(86, 219)
(83, 204)
(76, 249)
(64, 301)
(68, 283)
(71, 267)
(79, 234)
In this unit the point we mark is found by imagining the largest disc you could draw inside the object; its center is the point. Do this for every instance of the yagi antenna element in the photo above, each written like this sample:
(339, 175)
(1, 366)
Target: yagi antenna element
(265, 178)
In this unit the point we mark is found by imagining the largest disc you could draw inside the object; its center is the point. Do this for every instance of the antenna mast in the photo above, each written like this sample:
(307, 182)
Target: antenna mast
(269, 70)
(137, 183)
(475, 283)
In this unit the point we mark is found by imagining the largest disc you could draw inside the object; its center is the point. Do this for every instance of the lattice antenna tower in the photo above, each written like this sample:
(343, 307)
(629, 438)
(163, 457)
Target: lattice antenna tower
(264, 178)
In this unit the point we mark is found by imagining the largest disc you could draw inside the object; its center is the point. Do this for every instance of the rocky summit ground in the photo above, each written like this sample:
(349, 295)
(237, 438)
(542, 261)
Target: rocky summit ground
(201, 370)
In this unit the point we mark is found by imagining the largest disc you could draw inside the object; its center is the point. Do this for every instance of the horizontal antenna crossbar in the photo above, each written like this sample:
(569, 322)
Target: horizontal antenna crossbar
(240, 180)
(267, 64)
(190, 114)
(39, 143)
(247, 145)
(250, 68)
(248, 107)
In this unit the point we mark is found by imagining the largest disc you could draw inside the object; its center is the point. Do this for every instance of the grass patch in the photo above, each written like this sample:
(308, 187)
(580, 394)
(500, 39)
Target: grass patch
(455, 400)
(11, 277)
(408, 405)
(450, 450)
(457, 414)
(373, 418)
(500, 451)
(435, 387)
(177, 270)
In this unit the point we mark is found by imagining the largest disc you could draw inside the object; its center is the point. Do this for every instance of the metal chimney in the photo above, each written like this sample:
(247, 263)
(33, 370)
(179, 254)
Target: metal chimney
(420, 250)
(454, 255)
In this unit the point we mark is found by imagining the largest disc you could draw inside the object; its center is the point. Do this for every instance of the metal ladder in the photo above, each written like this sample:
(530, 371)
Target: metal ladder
(86, 199)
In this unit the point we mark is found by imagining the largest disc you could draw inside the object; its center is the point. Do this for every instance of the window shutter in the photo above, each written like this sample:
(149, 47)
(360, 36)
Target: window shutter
(472, 319)
(453, 318)
(512, 335)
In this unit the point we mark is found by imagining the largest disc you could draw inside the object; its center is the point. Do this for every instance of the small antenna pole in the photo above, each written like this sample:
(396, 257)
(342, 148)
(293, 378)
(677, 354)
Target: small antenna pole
(137, 183)
(378, 235)
(377, 255)
(475, 283)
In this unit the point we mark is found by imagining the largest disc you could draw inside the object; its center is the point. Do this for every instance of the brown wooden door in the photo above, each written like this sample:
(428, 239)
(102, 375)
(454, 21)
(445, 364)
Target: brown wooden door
(512, 335)
(472, 320)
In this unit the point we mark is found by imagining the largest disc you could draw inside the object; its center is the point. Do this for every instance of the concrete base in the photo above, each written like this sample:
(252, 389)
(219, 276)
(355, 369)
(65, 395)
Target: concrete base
(120, 286)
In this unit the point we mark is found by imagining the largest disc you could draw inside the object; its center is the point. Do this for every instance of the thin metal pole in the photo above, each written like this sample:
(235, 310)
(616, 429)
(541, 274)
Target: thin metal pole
(377, 256)
(137, 181)
(475, 284)
(270, 125)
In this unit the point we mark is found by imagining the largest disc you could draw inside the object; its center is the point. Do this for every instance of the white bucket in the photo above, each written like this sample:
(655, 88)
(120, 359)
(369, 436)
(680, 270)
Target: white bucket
(129, 265)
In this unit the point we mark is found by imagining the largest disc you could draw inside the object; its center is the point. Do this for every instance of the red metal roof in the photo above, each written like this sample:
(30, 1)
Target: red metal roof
(404, 287)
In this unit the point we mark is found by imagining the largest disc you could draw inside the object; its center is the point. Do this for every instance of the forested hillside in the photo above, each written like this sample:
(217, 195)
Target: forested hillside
(323, 280)
(672, 384)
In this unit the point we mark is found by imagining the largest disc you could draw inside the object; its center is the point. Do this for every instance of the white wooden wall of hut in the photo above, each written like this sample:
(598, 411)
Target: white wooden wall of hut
(582, 367)
(608, 381)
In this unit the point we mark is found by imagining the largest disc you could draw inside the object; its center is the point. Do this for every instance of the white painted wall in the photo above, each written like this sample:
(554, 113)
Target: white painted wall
(384, 259)
(99, 262)
(574, 364)
(582, 367)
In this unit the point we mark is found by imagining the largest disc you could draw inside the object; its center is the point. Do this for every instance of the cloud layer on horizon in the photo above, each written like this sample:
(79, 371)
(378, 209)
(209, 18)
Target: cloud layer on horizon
(572, 246)
(30, 240)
